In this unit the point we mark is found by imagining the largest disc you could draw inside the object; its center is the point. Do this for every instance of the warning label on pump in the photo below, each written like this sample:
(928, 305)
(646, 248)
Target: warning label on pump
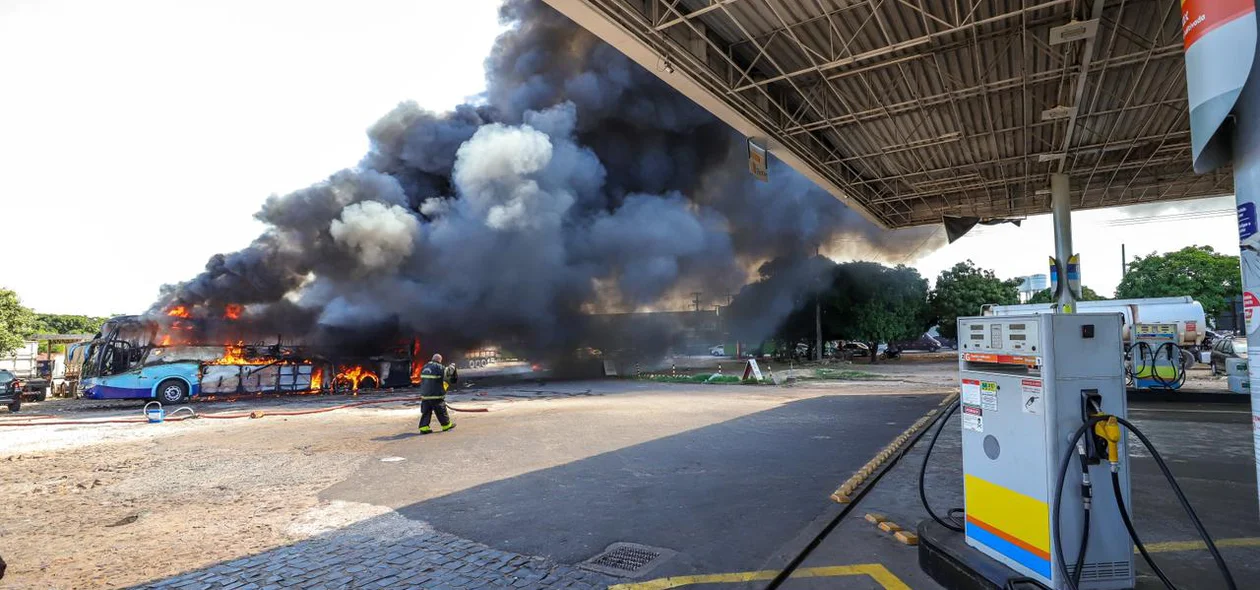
(1030, 396)
(988, 396)
(973, 418)
(970, 392)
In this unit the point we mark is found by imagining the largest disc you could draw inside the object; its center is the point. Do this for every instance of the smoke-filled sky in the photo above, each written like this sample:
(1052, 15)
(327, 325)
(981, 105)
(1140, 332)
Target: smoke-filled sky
(167, 124)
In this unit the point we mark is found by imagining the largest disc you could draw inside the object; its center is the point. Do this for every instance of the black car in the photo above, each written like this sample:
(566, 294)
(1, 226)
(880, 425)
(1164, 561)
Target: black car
(1233, 347)
(10, 390)
(924, 342)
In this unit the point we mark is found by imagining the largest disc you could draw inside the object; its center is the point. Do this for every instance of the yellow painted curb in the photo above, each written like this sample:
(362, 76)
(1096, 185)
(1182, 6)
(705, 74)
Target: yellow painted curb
(844, 493)
(907, 538)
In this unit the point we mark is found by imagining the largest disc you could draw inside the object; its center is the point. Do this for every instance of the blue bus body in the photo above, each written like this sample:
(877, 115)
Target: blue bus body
(142, 382)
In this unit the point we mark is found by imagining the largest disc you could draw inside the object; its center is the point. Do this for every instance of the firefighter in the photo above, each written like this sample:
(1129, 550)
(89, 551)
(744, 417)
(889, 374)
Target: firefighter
(433, 384)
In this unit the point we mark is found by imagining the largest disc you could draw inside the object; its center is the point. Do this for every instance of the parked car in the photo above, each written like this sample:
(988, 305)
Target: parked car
(855, 349)
(1234, 347)
(10, 390)
(924, 342)
(718, 350)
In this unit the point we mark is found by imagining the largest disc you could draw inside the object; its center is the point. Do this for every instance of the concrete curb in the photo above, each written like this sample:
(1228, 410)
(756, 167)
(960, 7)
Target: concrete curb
(847, 490)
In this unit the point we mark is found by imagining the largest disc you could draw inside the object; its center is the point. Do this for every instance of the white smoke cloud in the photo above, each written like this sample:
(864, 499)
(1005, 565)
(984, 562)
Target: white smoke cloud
(380, 237)
(499, 153)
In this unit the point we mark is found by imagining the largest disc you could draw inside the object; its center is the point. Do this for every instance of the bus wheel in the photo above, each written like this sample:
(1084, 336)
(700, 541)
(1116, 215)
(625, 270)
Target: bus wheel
(15, 405)
(172, 391)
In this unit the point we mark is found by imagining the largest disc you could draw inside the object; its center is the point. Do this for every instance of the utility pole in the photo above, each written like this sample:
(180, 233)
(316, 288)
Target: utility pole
(695, 300)
(1124, 262)
(818, 344)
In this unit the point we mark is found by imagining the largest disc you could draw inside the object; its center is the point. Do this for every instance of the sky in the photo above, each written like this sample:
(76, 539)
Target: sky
(1097, 235)
(138, 137)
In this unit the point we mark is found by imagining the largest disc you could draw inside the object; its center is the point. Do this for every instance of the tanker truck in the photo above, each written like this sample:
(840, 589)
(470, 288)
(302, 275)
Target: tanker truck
(1185, 312)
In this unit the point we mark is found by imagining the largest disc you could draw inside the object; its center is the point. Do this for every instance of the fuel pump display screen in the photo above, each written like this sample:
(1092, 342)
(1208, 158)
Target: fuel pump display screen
(995, 340)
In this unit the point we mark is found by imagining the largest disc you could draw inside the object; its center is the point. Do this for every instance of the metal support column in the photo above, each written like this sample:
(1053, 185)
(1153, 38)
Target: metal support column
(1246, 140)
(1061, 208)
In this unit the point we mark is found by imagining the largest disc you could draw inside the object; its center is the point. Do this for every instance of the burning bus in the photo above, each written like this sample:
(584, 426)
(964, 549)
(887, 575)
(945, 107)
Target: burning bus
(167, 359)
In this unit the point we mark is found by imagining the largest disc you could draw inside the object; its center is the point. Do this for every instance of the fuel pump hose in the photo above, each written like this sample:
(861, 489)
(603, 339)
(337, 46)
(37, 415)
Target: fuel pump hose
(954, 523)
(1172, 481)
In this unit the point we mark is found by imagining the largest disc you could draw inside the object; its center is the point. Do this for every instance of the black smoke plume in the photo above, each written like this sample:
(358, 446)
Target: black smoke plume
(582, 183)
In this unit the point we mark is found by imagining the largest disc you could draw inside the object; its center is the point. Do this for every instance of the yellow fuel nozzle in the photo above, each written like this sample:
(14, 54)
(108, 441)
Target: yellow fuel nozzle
(1109, 430)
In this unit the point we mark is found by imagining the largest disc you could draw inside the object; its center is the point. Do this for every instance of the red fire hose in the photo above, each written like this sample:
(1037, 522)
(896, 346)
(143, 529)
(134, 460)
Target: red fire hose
(232, 416)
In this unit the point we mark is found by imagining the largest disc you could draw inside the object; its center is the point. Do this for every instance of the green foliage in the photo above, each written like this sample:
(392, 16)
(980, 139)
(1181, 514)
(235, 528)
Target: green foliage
(862, 301)
(1047, 296)
(57, 323)
(16, 322)
(871, 302)
(1198, 271)
(963, 290)
(781, 305)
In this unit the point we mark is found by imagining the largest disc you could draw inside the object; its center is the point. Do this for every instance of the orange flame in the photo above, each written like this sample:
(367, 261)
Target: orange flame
(166, 340)
(317, 378)
(234, 354)
(416, 365)
(233, 311)
(179, 311)
(355, 375)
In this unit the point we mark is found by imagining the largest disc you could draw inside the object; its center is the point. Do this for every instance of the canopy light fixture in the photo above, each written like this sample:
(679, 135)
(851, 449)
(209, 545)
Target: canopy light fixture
(1073, 31)
(1059, 112)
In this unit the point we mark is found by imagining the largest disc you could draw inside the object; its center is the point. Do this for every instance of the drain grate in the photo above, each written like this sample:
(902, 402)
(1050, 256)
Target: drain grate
(627, 560)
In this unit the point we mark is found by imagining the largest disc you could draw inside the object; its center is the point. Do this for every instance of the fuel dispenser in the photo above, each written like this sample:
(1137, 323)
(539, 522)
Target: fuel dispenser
(1028, 382)
(1154, 358)
(1042, 400)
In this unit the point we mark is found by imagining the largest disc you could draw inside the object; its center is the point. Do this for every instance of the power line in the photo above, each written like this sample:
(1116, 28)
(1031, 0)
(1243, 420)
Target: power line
(921, 245)
(1186, 216)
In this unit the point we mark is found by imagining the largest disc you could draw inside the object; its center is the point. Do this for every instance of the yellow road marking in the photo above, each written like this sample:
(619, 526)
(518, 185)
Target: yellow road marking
(876, 571)
(1170, 546)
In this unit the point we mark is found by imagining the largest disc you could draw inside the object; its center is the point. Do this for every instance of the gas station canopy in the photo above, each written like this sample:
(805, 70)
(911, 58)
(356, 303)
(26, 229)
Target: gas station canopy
(913, 110)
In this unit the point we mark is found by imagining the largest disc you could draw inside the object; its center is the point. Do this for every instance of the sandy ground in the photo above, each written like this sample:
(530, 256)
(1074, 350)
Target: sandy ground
(131, 506)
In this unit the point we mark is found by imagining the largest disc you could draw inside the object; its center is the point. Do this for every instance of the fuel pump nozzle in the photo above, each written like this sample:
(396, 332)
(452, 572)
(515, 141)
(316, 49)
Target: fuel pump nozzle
(1109, 430)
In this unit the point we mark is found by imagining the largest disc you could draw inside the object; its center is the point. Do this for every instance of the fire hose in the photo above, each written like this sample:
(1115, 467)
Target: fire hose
(224, 416)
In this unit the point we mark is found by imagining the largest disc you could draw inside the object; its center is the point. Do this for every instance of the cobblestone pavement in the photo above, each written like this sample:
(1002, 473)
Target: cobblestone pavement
(385, 552)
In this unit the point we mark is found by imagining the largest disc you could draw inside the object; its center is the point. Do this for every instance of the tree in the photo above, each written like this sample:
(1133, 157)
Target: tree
(1198, 271)
(57, 323)
(1047, 296)
(16, 322)
(873, 303)
(963, 290)
(780, 305)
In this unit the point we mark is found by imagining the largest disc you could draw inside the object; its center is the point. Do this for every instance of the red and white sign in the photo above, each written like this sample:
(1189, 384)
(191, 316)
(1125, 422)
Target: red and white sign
(1250, 303)
(1004, 359)
(1030, 396)
(1199, 17)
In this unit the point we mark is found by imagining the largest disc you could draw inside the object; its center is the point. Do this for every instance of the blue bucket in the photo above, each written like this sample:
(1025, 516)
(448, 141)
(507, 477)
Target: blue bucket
(155, 415)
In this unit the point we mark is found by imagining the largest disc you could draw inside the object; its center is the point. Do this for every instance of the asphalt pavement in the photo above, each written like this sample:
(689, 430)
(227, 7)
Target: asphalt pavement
(1209, 450)
(725, 497)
